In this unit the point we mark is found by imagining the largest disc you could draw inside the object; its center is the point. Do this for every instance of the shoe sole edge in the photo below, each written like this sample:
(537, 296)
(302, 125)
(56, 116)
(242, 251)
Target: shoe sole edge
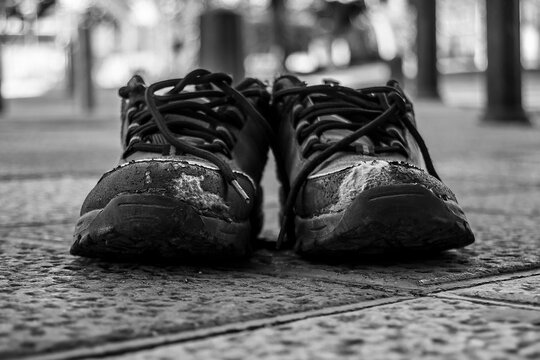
(384, 220)
(149, 226)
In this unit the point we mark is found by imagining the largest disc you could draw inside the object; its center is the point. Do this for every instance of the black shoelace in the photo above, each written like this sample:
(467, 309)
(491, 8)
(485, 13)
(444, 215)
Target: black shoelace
(372, 109)
(149, 117)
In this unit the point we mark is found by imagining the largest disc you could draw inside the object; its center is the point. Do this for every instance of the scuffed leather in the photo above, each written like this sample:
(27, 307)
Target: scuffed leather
(207, 192)
(334, 191)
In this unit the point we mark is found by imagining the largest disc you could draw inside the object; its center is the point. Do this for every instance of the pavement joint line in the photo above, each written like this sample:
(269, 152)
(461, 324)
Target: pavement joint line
(40, 242)
(345, 279)
(487, 211)
(486, 301)
(50, 176)
(38, 223)
(418, 288)
(135, 345)
(468, 283)
(329, 276)
(511, 187)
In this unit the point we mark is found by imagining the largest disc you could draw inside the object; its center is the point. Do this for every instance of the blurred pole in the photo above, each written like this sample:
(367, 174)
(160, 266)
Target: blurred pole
(427, 78)
(280, 28)
(2, 105)
(537, 16)
(83, 67)
(503, 80)
(396, 70)
(222, 42)
(70, 69)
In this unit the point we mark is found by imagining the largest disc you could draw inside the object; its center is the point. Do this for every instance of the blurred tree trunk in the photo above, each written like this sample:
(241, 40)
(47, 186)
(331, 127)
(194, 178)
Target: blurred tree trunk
(427, 78)
(2, 104)
(84, 84)
(70, 69)
(280, 28)
(222, 42)
(503, 80)
(2, 107)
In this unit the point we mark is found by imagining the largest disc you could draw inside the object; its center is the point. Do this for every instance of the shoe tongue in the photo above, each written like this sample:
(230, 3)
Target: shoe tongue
(135, 80)
(287, 81)
(331, 136)
(134, 89)
(334, 135)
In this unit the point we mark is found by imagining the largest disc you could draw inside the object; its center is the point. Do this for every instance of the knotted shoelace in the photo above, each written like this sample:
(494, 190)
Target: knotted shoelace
(217, 101)
(369, 112)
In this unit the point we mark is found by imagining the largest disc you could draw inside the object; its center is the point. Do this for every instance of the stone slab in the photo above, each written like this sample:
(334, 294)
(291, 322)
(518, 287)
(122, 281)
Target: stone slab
(464, 189)
(53, 144)
(512, 203)
(503, 245)
(56, 302)
(43, 200)
(426, 328)
(523, 291)
(452, 132)
(462, 147)
(489, 172)
(52, 301)
(59, 235)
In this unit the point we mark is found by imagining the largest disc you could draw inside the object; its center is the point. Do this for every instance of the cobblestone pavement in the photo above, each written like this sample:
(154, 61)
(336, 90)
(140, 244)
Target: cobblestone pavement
(481, 302)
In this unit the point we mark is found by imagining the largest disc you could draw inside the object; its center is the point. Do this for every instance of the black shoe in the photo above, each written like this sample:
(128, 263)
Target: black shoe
(357, 175)
(188, 183)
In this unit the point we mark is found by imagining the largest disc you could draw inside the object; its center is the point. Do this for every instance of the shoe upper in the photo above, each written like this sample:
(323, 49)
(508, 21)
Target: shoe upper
(197, 139)
(334, 142)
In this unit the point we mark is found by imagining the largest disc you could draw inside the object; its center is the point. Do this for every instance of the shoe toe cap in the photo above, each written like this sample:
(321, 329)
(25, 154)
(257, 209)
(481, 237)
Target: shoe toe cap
(199, 186)
(334, 192)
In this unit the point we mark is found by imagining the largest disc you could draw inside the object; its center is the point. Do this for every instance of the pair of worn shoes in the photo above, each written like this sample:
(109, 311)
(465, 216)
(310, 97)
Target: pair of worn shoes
(356, 176)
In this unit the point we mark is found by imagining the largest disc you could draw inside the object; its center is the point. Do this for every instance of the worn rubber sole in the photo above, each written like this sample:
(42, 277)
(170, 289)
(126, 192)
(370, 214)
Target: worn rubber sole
(386, 220)
(148, 227)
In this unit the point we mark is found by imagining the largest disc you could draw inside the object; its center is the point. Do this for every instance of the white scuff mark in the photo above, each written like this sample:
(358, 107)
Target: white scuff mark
(188, 188)
(355, 182)
(178, 165)
(147, 177)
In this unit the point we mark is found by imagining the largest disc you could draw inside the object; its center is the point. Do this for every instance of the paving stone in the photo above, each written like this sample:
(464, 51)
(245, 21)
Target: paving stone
(51, 300)
(43, 200)
(486, 171)
(452, 132)
(425, 328)
(462, 147)
(503, 245)
(55, 234)
(60, 145)
(523, 291)
(464, 186)
(514, 203)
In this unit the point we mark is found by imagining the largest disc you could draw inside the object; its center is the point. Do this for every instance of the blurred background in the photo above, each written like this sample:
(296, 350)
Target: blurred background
(469, 65)
(43, 41)
(76, 50)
